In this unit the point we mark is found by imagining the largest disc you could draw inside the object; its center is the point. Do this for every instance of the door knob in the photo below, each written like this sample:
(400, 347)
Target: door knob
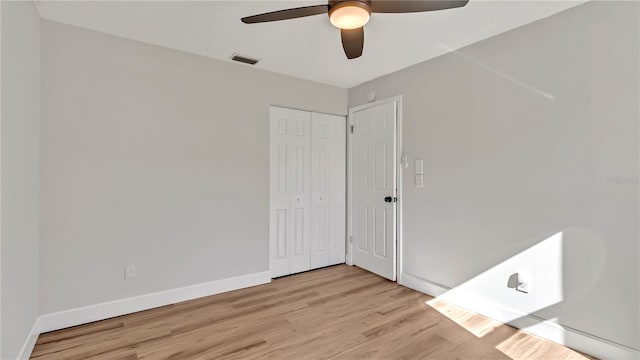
(388, 199)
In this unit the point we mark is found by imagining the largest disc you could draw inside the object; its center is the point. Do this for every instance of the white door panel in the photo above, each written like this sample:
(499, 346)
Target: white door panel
(279, 183)
(328, 183)
(374, 179)
(301, 192)
(337, 179)
(319, 190)
(290, 191)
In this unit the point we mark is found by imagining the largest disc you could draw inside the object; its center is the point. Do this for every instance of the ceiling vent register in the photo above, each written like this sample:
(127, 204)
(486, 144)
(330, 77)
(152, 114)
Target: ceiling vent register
(244, 59)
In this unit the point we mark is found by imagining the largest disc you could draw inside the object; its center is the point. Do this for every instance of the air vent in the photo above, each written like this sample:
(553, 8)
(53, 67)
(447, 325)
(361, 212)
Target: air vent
(244, 59)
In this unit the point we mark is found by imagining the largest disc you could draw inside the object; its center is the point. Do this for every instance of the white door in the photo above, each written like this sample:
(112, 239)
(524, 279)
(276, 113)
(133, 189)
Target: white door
(290, 191)
(301, 190)
(373, 169)
(337, 189)
(328, 183)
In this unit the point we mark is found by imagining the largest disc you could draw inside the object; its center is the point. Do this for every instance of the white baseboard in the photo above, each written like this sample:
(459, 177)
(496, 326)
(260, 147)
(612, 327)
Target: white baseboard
(573, 338)
(422, 285)
(87, 314)
(30, 342)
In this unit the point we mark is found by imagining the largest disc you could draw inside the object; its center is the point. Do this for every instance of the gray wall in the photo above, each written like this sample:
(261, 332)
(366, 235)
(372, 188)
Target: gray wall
(524, 136)
(156, 158)
(20, 174)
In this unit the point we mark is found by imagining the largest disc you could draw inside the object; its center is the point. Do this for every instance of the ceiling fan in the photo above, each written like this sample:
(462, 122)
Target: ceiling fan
(351, 15)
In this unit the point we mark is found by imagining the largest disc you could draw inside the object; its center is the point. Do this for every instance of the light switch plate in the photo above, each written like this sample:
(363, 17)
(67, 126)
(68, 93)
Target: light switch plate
(419, 166)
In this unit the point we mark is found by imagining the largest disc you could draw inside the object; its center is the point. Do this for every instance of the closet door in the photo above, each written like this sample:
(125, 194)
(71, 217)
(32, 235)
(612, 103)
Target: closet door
(337, 189)
(328, 170)
(289, 191)
(300, 164)
(279, 214)
(320, 124)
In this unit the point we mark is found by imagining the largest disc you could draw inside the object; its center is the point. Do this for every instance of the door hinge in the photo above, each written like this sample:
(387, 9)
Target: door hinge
(352, 129)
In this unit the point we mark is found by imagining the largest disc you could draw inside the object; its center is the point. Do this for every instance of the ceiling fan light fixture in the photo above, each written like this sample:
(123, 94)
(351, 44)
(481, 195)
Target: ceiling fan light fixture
(349, 15)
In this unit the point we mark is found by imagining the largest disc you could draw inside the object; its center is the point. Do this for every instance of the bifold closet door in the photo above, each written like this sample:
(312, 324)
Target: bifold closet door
(328, 183)
(290, 168)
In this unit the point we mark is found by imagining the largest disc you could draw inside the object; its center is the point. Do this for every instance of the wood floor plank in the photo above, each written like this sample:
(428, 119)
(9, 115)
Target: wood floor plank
(340, 312)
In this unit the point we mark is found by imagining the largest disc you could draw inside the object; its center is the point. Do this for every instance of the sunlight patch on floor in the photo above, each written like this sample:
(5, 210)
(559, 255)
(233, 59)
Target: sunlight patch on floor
(525, 346)
(476, 324)
(514, 343)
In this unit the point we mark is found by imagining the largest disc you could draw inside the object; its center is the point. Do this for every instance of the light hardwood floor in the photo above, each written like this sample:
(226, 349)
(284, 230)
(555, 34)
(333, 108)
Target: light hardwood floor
(339, 312)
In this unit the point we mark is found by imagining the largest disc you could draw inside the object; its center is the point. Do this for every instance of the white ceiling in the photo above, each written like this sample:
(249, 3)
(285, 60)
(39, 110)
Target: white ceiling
(307, 48)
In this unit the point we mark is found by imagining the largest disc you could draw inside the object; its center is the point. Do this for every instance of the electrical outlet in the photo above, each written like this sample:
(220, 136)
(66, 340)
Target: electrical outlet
(129, 272)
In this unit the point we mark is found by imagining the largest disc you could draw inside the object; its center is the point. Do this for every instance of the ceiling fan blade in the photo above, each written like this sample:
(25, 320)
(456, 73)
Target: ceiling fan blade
(352, 42)
(286, 14)
(392, 6)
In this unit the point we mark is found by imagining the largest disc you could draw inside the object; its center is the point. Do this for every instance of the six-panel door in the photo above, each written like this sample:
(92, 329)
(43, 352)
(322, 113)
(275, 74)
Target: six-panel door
(290, 169)
(373, 154)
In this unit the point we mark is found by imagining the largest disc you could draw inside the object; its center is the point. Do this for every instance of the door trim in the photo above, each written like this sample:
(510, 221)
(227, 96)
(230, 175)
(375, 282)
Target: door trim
(398, 100)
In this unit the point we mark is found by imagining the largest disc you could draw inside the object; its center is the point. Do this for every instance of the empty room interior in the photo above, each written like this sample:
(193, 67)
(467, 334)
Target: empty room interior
(330, 179)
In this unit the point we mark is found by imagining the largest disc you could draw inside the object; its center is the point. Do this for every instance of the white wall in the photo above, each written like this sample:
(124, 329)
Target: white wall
(156, 158)
(20, 174)
(530, 138)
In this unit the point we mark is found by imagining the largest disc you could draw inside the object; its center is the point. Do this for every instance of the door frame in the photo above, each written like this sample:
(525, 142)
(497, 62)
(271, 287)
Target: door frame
(399, 153)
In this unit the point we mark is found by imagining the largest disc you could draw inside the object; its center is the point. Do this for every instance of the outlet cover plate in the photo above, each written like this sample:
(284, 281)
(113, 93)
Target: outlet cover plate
(129, 272)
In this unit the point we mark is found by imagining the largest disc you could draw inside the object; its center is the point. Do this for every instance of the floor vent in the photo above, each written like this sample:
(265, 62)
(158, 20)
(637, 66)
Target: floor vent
(244, 59)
